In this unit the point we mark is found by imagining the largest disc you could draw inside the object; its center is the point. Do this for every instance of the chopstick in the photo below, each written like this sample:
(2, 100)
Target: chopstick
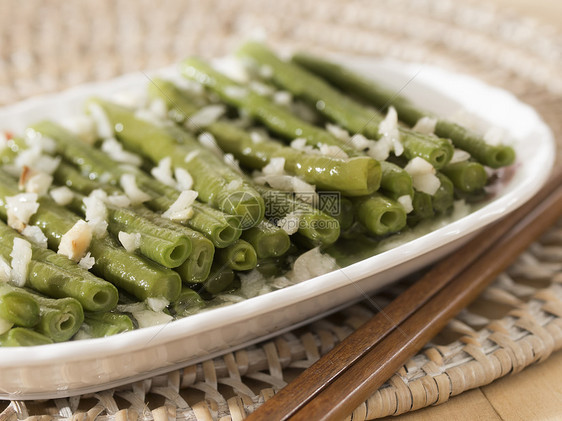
(346, 376)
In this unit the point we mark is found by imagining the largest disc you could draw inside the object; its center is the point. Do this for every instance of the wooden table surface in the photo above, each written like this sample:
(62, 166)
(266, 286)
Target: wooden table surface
(535, 393)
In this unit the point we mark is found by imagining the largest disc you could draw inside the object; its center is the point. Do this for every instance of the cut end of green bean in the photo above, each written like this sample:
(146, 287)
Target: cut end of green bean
(248, 207)
(380, 215)
(20, 336)
(238, 256)
(500, 156)
(318, 229)
(197, 266)
(467, 176)
(17, 307)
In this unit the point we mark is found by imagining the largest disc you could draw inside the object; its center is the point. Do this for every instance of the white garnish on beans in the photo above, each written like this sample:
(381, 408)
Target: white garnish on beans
(129, 184)
(20, 208)
(61, 195)
(76, 241)
(181, 210)
(129, 241)
(35, 235)
(21, 257)
(163, 172)
(423, 175)
(115, 150)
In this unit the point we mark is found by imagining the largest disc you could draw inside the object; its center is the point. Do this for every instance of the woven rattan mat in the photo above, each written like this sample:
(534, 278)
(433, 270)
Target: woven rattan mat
(50, 45)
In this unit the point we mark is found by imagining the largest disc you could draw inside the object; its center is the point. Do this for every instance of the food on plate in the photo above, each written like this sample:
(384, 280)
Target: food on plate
(224, 181)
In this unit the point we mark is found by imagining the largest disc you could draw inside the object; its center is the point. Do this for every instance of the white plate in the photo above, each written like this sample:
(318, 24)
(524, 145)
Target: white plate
(85, 366)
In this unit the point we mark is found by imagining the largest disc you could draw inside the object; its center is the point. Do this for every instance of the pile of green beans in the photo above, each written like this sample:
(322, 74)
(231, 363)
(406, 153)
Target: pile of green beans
(241, 220)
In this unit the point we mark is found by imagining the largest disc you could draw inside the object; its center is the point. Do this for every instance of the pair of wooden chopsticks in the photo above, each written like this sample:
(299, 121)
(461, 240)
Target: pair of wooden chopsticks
(346, 376)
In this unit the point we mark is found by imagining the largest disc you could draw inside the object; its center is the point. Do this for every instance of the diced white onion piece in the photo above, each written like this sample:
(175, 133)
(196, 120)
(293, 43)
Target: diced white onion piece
(39, 183)
(129, 241)
(34, 159)
(379, 150)
(237, 92)
(149, 116)
(183, 178)
(265, 71)
(261, 88)
(5, 270)
(83, 126)
(115, 150)
(96, 213)
(159, 108)
(118, 200)
(275, 166)
(181, 210)
(232, 162)
(253, 283)
(21, 256)
(103, 125)
(205, 116)
(147, 318)
(129, 184)
(311, 264)
(34, 139)
(360, 142)
(425, 125)
(75, 242)
(333, 151)
(423, 175)
(300, 144)
(406, 202)
(20, 208)
(35, 235)
(208, 141)
(256, 136)
(62, 195)
(234, 185)
(282, 98)
(87, 262)
(290, 223)
(341, 133)
(388, 129)
(130, 98)
(494, 136)
(191, 155)
(459, 156)
(157, 304)
(232, 67)
(163, 172)
(5, 326)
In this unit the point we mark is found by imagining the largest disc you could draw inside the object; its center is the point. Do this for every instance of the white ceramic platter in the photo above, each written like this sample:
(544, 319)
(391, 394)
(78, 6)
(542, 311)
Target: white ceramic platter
(90, 365)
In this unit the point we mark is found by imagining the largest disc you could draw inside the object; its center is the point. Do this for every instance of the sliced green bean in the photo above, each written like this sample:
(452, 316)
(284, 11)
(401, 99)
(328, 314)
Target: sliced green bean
(443, 199)
(467, 176)
(379, 214)
(341, 108)
(99, 325)
(17, 307)
(238, 256)
(267, 239)
(189, 302)
(20, 336)
(423, 208)
(216, 183)
(463, 138)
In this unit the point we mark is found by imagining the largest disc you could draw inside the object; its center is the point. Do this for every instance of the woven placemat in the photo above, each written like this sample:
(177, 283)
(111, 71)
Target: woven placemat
(51, 45)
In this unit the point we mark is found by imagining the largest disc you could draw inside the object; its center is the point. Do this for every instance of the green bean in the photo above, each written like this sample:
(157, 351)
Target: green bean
(396, 182)
(467, 176)
(17, 307)
(140, 277)
(315, 228)
(444, 197)
(267, 239)
(99, 325)
(60, 318)
(355, 177)
(275, 117)
(221, 228)
(20, 336)
(189, 302)
(197, 266)
(340, 108)
(238, 256)
(168, 247)
(216, 183)
(423, 208)
(338, 207)
(492, 156)
(379, 214)
(57, 276)
(220, 280)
